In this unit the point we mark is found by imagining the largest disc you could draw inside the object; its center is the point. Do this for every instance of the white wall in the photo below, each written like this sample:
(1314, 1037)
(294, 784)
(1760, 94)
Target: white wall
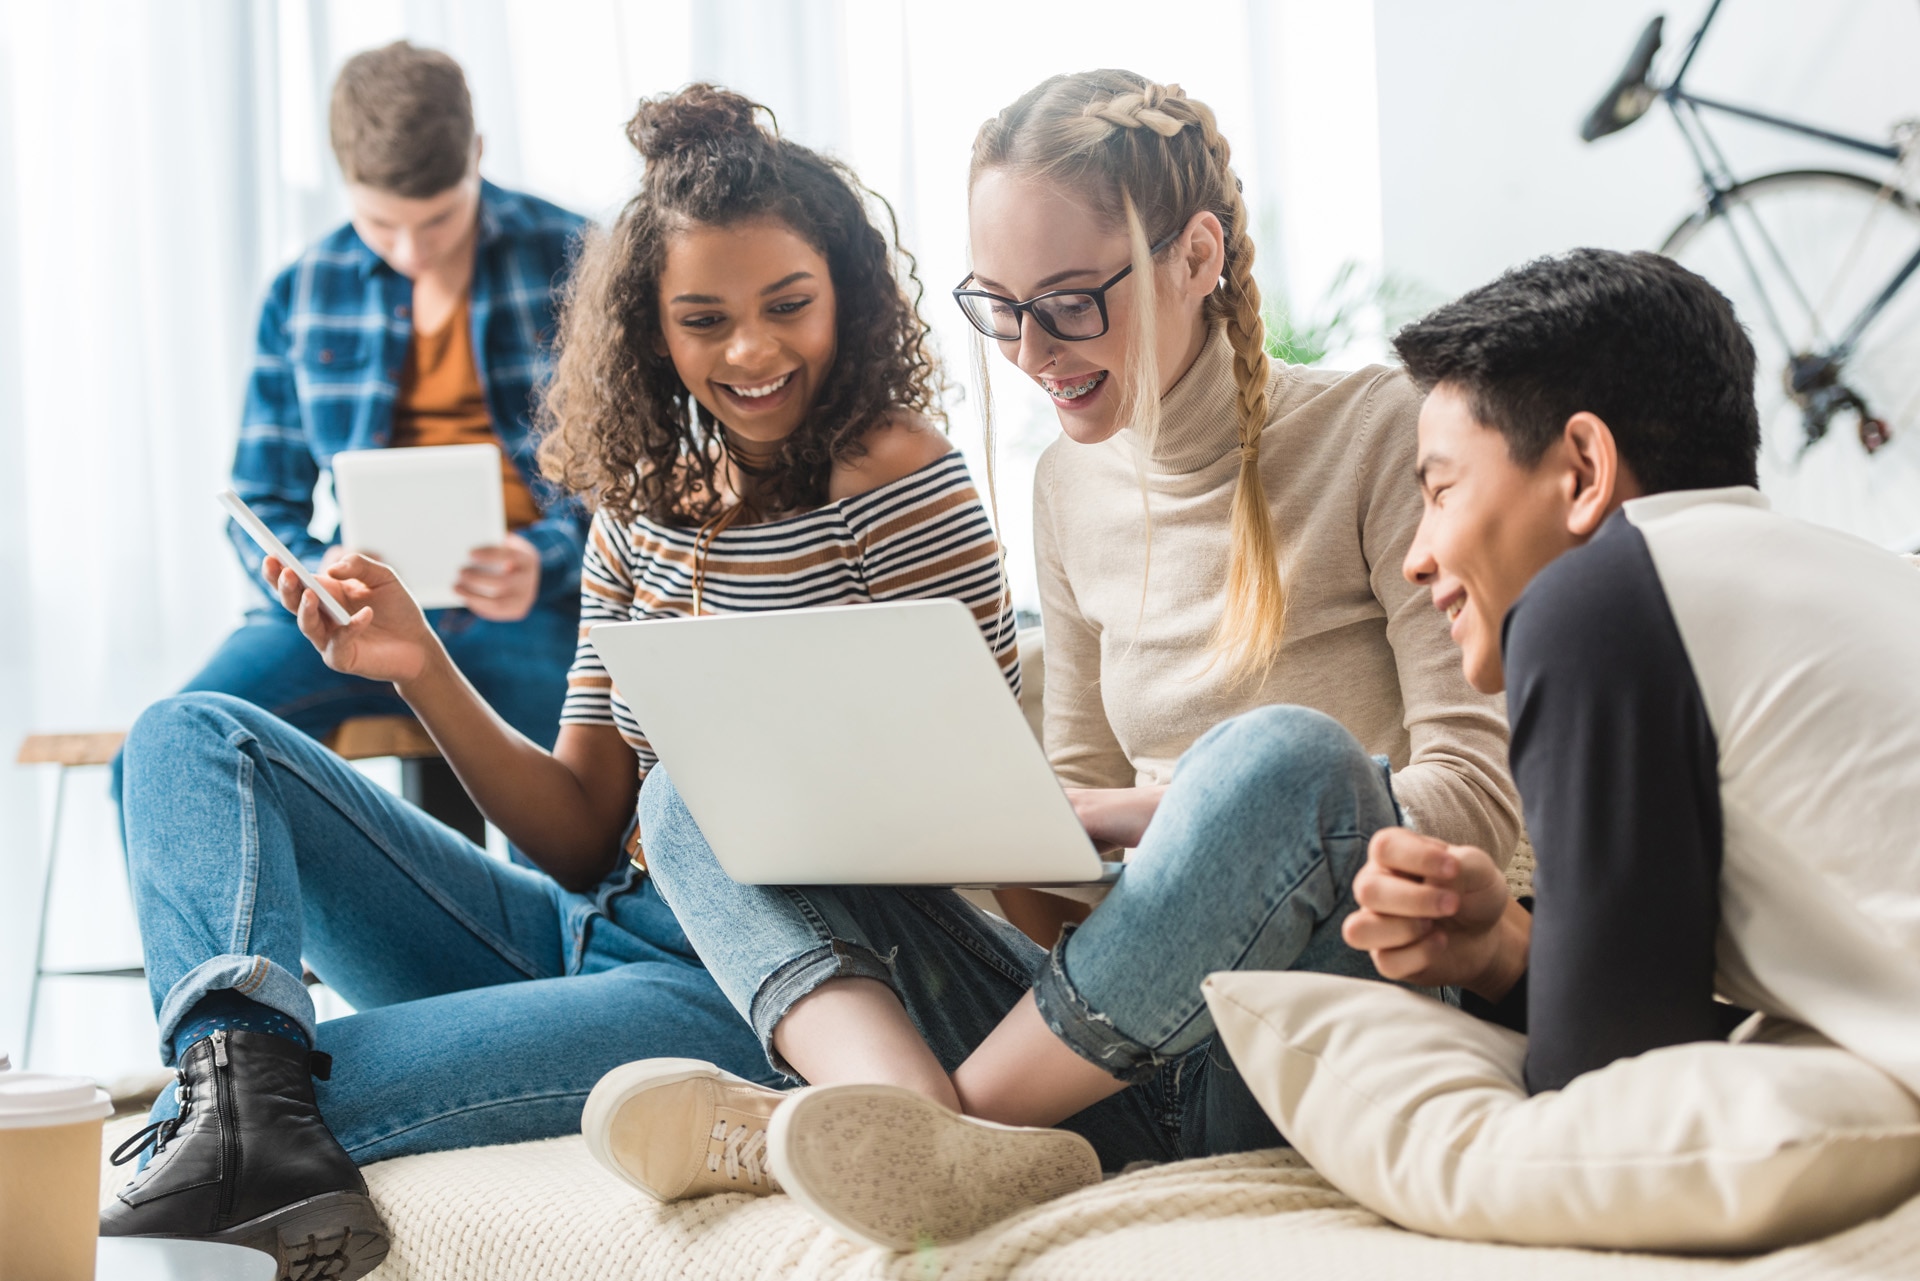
(1481, 103)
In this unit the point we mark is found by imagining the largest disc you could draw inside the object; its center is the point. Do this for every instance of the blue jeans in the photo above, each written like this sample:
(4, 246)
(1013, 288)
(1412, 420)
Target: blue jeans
(520, 669)
(490, 1000)
(1247, 865)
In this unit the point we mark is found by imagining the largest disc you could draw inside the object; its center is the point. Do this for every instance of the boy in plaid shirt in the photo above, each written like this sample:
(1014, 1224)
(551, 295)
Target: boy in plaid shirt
(426, 320)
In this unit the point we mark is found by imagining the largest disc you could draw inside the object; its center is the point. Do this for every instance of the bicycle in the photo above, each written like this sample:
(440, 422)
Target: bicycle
(1819, 264)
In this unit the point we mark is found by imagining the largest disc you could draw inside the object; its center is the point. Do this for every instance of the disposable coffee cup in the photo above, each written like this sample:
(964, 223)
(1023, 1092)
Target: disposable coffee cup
(49, 1176)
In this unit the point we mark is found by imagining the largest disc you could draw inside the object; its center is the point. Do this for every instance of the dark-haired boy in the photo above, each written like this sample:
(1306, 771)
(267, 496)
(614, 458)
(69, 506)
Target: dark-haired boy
(1715, 709)
(426, 320)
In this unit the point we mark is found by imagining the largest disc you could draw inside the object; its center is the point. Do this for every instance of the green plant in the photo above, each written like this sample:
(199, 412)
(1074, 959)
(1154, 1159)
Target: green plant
(1355, 295)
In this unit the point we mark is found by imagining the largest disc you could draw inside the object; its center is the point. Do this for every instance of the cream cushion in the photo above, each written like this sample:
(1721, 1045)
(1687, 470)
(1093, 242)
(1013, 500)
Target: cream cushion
(1418, 1112)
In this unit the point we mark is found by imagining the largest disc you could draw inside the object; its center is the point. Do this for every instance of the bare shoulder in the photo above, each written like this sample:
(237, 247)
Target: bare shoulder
(898, 447)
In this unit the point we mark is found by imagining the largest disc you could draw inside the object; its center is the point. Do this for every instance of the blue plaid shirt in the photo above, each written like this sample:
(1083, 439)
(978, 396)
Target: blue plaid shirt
(333, 336)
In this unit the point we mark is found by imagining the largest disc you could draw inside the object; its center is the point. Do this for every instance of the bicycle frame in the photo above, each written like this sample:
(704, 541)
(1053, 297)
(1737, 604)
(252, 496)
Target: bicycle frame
(1718, 179)
(1676, 94)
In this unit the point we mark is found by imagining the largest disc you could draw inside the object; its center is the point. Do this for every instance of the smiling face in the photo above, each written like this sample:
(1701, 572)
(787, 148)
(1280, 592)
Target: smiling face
(747, 317)
(1490, 524)
(421, 236)
(1028, 238)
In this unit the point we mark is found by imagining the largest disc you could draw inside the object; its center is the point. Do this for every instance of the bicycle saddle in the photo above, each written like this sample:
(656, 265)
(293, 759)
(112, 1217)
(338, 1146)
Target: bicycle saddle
(1628, 98)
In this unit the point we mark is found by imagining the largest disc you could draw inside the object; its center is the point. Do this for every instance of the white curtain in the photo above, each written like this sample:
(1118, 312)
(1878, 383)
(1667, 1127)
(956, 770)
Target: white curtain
(160, 161)
(138, 214)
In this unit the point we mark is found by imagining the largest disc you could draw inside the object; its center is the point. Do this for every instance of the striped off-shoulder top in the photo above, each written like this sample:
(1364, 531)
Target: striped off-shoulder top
(923, 536)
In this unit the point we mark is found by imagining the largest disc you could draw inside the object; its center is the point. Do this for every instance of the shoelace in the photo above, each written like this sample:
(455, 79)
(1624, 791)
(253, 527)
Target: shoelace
(741, 1148)
(161, 1132)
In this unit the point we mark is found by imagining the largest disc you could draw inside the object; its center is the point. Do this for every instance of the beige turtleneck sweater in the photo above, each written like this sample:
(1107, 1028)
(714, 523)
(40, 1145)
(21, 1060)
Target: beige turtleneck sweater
(1129, 687)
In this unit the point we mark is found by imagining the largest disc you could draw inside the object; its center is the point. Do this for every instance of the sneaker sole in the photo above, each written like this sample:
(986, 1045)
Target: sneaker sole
(612, 1091)
(336, 1236)
(896, 1170)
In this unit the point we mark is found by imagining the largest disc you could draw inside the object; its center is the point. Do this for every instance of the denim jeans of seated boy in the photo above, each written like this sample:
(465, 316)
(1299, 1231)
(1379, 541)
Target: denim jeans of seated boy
(490, 999)
(1248, 864)
(519, 668)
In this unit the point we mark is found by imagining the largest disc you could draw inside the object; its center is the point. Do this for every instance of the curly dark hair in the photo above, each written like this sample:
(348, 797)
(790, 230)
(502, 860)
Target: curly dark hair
(618, 424)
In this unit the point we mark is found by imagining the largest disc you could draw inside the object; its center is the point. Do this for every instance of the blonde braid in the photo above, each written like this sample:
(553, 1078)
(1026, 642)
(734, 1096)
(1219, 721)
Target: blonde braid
(1254, 621)
(1143, 110)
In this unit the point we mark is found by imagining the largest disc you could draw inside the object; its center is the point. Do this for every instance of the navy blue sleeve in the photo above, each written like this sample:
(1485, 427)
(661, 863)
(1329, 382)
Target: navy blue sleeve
(1618, 771)
(1510, 1011)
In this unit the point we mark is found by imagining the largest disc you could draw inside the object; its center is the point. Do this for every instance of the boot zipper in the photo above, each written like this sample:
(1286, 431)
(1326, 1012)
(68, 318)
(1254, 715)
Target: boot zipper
(229, 1126)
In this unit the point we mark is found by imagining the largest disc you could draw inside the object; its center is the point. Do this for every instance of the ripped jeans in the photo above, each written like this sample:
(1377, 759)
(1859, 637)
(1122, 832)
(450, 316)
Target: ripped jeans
(1247, 865)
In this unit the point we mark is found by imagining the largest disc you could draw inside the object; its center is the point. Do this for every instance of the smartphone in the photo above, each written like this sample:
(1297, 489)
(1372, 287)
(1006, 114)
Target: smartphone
(258, 531)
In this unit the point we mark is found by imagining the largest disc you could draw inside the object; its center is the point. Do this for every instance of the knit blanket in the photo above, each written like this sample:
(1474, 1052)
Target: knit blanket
(537, 1210)
(545, 1210)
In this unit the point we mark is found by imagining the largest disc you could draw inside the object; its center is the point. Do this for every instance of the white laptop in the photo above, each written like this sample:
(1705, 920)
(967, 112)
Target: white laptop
(851, 745)
(422, 511)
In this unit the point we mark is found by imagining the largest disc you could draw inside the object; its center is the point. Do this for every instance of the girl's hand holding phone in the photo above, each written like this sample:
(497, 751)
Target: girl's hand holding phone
(387, 638)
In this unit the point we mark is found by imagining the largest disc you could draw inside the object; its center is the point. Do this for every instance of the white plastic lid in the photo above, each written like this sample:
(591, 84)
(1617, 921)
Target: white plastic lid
(33, 1099)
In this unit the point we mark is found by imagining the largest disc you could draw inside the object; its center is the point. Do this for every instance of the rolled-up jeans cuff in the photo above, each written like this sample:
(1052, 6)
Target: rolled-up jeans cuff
(254, 977)
(1087, 1032)
(800, 976)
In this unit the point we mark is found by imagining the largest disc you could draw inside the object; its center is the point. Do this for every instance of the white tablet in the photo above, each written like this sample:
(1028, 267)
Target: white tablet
(422, 511)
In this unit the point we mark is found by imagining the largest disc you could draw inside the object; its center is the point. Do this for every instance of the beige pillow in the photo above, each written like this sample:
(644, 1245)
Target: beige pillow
(1417, 1111)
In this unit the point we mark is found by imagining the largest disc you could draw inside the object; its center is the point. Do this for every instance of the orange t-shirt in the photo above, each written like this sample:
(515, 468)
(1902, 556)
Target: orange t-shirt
(441, 402)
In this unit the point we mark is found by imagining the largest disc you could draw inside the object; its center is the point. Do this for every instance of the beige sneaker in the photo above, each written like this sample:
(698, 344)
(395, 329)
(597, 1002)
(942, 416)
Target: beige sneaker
(679, 1128)
(891, 1168)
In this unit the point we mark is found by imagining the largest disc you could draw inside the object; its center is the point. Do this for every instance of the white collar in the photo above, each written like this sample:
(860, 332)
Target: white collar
(1655, 506)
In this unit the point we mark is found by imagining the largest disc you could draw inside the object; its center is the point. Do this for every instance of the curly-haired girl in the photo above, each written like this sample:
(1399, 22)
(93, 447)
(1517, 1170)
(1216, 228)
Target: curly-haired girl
(1241, 688)
(745, 393)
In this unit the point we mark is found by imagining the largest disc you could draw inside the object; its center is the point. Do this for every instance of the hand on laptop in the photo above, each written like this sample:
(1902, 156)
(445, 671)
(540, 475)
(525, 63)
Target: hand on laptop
(1437, 915)
(1115, 817)
(501, 583)
(387, 639)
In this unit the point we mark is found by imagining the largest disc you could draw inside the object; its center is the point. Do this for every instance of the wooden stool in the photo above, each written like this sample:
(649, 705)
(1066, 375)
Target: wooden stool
(425, 779)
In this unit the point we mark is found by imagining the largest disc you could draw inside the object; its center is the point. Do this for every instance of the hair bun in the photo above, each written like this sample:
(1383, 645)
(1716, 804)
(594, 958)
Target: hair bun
(699, 113)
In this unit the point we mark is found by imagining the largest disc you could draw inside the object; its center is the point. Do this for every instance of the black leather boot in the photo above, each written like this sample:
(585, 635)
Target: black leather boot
(249, 1162)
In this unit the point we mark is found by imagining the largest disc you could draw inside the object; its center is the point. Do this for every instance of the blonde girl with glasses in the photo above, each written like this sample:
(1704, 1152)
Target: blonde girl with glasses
(1241, 689)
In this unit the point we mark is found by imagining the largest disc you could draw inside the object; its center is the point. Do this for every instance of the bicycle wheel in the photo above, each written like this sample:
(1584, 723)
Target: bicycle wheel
(1800, 254)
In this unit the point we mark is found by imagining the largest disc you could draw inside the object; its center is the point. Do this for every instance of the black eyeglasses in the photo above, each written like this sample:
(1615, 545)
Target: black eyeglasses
(1071, 315)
